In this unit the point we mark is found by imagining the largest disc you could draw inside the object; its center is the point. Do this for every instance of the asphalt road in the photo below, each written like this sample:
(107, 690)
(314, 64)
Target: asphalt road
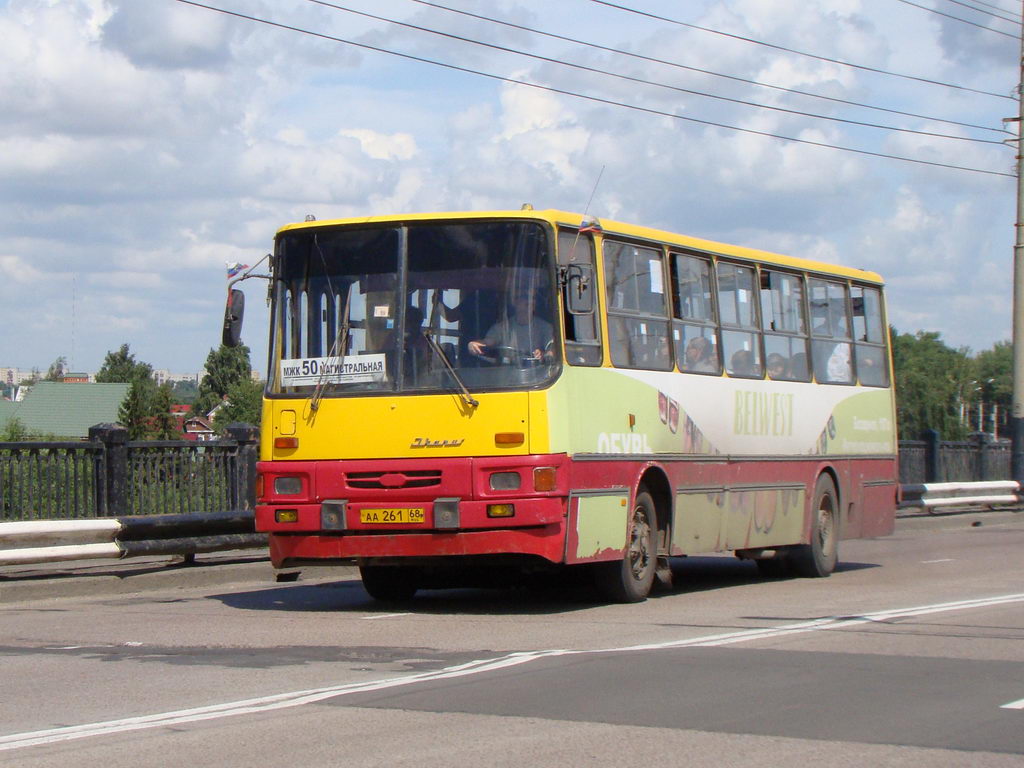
(911, 654)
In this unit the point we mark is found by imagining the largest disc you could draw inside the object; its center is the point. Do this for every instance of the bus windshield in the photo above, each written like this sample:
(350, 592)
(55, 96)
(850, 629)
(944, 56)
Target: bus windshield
(417, 308)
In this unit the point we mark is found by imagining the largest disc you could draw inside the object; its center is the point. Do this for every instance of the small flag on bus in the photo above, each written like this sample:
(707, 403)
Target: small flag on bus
(590, 224)
(234, 268)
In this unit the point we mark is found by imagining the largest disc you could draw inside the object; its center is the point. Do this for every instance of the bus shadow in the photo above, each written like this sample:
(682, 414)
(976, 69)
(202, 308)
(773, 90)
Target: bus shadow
(349, 596)
(567, 591)
(701, 574)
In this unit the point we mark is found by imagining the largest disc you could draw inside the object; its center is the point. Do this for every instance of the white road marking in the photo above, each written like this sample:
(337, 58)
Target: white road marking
(943, 560)
(386, 616)
(298, 698)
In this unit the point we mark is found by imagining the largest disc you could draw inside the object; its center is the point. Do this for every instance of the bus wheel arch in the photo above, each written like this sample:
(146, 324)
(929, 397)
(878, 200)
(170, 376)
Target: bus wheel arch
(819, 556)
(630, 579)
(656, 484)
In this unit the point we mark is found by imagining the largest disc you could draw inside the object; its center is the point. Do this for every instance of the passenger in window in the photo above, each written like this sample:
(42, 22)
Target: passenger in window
(776, 365)
(700, 356)
(742, 363)
(798, 367)
(519, 333)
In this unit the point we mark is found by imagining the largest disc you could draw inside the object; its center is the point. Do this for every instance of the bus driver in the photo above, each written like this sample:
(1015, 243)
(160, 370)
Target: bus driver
(519, 330)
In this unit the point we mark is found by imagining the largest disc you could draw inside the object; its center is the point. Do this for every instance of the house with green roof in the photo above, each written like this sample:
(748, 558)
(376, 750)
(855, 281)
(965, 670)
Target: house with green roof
(65, 411)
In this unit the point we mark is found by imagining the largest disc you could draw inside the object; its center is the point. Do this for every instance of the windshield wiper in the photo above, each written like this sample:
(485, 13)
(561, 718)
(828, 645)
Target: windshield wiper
(428, 333)
(340, 343)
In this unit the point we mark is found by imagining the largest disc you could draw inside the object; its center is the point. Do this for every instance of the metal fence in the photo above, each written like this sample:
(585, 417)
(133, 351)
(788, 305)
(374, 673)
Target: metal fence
(110, 476)
(944, 461)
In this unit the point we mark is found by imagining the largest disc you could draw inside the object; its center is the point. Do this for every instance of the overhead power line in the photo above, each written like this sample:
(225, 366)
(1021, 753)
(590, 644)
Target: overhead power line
(689, 68)
(643, 81)
(996, 7)
(801, 53)
(961, 20)
(595, 99)
(976, 9)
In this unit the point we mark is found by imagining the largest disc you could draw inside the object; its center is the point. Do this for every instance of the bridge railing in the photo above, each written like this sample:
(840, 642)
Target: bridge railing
(932, 460)
(110, 476)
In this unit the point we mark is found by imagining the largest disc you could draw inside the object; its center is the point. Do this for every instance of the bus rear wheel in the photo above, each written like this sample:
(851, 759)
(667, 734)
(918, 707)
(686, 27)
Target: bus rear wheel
(389, 583)
(819, 557)
(630, 580)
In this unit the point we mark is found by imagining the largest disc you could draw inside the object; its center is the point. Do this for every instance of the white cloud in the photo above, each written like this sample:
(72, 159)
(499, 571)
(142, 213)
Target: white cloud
(144, 143)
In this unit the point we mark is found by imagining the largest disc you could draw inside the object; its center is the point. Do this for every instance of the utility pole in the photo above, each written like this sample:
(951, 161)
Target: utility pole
(1017, 415)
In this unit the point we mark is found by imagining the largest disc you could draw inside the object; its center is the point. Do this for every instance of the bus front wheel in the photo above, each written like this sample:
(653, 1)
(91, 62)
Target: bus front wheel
(629, 580)
(819, 557)
(389, 583)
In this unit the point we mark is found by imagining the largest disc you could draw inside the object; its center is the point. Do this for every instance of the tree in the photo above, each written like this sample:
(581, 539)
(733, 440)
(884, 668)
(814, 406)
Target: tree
(14, 432)
(933, 382)
(244, 400)
(993, 370)
(57, 369)
(121, 367)
(136, 411)
(185, 392)
(225, 366)
(164, 426)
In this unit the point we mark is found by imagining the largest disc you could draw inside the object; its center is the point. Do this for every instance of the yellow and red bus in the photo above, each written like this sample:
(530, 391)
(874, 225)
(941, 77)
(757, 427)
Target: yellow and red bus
(539, 389)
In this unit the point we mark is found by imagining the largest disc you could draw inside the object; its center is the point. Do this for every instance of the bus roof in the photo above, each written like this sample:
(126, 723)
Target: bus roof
(608, 227)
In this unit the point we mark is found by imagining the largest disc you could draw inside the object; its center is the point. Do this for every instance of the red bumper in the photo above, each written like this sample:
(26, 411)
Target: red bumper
(321, 515)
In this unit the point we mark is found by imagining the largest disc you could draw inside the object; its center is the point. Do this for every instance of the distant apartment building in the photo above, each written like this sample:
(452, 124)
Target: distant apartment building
(163, 376)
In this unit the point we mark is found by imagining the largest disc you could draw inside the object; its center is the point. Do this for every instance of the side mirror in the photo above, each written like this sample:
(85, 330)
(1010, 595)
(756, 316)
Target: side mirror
(579, 289)
(233, 314)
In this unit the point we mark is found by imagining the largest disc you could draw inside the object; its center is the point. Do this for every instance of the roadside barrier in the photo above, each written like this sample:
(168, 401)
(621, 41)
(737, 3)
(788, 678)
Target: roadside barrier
(985, 494)
(47, 541)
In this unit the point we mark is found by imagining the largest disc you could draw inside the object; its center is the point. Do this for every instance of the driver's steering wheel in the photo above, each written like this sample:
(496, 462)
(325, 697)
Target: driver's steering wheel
(502, 354)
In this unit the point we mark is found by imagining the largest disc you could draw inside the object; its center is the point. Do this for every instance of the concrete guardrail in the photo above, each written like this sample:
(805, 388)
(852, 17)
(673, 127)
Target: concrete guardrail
(46, 541)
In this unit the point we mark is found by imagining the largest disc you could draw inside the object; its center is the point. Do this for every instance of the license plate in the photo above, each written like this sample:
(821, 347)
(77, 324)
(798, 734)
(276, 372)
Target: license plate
(392, 515)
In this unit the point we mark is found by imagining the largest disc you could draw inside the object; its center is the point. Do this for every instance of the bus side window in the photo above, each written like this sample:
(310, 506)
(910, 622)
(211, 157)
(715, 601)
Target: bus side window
(785, 328)
(830, 333)
(694, 328)
(869, 337)
(637, 312)
(582, 330)
(741, 340)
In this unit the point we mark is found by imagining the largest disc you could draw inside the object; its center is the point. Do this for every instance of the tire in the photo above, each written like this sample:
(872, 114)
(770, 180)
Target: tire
(389, 583)
(630, 580)
(818, 558)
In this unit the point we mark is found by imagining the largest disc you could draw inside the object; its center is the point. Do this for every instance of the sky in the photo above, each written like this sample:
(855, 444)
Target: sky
(145, 143)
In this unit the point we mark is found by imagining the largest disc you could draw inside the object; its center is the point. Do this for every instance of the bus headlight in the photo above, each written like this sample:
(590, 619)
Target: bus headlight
(287, 486)
(505, 481)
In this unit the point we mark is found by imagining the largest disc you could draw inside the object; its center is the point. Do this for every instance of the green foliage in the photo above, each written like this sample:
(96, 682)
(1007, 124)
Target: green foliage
(164, 426)
(244, 400)
(994, 374)
(57, 370)
(121, 368)
(137, 410)
(932, 382)
(225, 366)
(15, 432)
(185, 392)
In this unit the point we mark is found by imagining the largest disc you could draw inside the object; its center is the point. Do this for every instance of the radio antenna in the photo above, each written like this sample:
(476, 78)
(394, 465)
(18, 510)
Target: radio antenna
(593, 191)
(586, 225)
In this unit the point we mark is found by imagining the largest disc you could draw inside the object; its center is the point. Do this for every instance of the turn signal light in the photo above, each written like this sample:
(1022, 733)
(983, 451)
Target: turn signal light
(286, 515)
(545, 479)
(286, 443)
(509, 438)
